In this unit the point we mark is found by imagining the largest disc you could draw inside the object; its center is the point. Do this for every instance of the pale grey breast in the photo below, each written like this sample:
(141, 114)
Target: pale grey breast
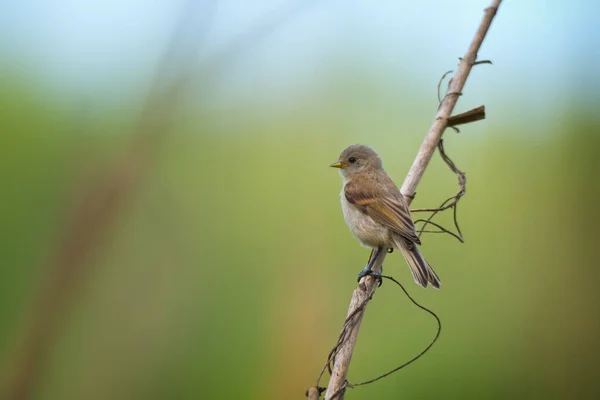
(369, 232)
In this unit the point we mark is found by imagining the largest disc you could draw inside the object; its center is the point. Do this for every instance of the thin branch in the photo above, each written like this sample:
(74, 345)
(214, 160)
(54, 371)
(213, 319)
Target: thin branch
(476, 114)
(451, 202)
(439, 86)
(367, 285)
(415, 358)
(440, 227)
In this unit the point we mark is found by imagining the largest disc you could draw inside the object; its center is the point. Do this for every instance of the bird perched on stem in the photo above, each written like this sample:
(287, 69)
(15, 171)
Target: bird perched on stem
(377, 213)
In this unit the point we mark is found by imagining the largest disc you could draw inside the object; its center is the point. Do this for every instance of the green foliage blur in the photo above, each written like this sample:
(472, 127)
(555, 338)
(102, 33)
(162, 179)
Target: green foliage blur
(227, 271)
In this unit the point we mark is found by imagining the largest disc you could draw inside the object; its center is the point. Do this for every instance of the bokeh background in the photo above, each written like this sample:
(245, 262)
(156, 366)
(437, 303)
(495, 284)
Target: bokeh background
(171, 229)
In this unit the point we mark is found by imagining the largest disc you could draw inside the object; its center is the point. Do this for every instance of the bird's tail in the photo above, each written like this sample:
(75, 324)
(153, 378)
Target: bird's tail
(421, 270)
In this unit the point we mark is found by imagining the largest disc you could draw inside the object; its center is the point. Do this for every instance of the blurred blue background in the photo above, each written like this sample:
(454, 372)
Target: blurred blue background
(171, 228)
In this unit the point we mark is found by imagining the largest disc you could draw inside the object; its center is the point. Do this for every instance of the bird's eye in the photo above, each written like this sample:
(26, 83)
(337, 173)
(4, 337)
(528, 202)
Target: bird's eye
(352, 160)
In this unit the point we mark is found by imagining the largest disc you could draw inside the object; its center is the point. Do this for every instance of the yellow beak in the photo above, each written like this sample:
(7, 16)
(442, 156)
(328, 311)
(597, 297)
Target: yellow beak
(339, 165)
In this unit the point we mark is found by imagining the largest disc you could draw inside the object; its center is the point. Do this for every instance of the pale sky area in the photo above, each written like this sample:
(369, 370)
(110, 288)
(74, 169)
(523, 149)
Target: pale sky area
(108, 48)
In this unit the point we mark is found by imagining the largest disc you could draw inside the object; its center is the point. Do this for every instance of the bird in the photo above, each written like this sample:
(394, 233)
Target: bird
(378, 214)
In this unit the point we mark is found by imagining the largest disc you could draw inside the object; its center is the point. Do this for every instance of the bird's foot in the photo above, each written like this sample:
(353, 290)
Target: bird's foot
(366, 271)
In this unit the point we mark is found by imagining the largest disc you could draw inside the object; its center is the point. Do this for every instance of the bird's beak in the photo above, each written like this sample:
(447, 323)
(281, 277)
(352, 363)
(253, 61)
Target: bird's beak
(339, 165)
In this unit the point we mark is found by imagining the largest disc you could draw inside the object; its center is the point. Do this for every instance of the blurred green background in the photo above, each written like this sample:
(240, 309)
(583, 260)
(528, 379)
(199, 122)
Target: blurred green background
(219, 264)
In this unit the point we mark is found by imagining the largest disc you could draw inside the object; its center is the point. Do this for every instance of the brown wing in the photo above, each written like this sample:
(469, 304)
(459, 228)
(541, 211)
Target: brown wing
(389, 209)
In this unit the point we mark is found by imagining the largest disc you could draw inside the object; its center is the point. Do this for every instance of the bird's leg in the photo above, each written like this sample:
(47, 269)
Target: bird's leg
(368, 269)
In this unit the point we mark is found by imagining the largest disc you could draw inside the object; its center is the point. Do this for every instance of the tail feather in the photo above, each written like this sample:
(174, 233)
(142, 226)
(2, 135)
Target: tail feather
(421, 270)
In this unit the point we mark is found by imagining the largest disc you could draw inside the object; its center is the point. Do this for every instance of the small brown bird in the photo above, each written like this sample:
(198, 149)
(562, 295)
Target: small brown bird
(377, 213)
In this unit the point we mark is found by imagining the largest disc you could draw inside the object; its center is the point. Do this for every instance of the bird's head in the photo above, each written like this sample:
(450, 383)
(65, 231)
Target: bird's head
(357, 158)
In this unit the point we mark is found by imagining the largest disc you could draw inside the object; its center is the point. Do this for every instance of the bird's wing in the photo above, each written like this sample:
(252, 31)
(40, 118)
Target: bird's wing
(388, 209)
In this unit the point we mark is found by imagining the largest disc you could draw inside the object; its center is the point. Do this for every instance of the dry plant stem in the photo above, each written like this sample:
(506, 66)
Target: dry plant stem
(476, 114)
(368, 285)
(441, 119)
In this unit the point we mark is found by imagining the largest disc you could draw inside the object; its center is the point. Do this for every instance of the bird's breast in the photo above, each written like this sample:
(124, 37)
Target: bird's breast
(369, 232)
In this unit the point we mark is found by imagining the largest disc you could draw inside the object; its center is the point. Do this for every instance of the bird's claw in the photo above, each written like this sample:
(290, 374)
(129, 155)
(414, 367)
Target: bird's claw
(367, 272)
